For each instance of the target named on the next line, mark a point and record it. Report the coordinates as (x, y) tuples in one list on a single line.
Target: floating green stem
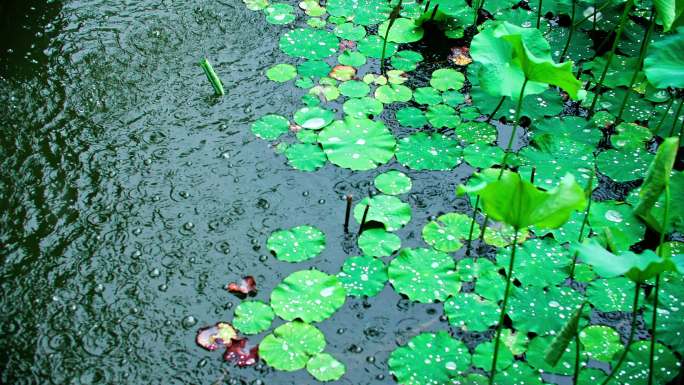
[(580, 238), (213, 78)]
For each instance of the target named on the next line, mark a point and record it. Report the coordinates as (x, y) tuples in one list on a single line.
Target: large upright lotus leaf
[(656, 181), (364, 12), (313, 118), (393, 182), (600, 342), (309, 43), (305, 157), (429, 358), (378, 242), (423, 151), (325, 367), (363, 276), (296, 244), (358, 144), (448, 232), (612, 294), (634, 371), (447, 79), (270, 127), (424, 275), (388, 210), (291, 345), (471, 312), (309, 295), (664, 64), (520, 204), (534, 309), (670, 311), (541, 262), (537, 352), (402, 31), (253, 317), (616, 217), (510, 54)]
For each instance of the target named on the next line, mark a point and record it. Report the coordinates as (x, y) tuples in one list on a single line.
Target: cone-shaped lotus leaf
[(424, 275), (358, 144), (253, 317), (520, 204), (510, 54), (296, 244), (325, 367), (429, 358), (664, 64), (291, 345), (309, 295)]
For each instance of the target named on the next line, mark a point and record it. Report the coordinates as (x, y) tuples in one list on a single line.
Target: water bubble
[(202, 363), (263, 258), (321, 201), (163, 287), (305, 193), (341, 331), (155, 273), (189, 226), (189, 322)]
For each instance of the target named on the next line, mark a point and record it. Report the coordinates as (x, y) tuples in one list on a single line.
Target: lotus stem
[(570, 33), (393, 16), (532, 174), (489, 118), (662, 120), (363, 219), (591, 15), (642, 53), (213, 78), (575, 375), (479, 4), (674, 122), (349, 198), (539, 13), (611, 54), (434, 12), (472, 225), (630, 338), (503, 308), (585, 220)]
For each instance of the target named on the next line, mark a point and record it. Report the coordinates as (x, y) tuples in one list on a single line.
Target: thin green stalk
[(575, 375), (396, 11), (489, 118), (640, 63), (580, 238), (674, 122), (593, 22), (611, 54), (629, 339), (480, 4), (503, 308), (539, 13), (472, 225), (662, 120), (572, 31), (213, 78)]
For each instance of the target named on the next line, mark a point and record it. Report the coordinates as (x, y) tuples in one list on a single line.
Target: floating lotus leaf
[(291, 345), (634, 370), (326, 93), (541, 262), (533, 309), (371, 46), (391, 93), (316, 22), (312, 8), (490, 285), (411, 117), (501, 235), (447, 79), (569, 232), (393, 182), (402, 31), (350, 31), (362, 107), (364, 12), (630, 136), (624, 166), (354, 89), (664, 64), (378, 242), (314, 68), (424, 275), (313, 118), (217, 336), (309, 295), (600, 342), (482, 357), (352, 58), (252, 317), (556, 134), (612, 294), (256, 5), (611, 214), (305, 157), (281, 73), (470, 312), (296, 244), (537, 352), (482, 155), (270, 127), (363, 276), (423, 151), (388, 210), (358, 144), (307, 136), (471, 379), (429, 358), (406, 60), (342, 73), (553, 166), (309, 43), (325, 367), (427, 95), (470, 269), (518, 373), (441, 115), (396, 76), (453, 98), (670, 311), (448, 232), (516, 341), (473, 132), (591, 376), (279, 13), (304, 83)]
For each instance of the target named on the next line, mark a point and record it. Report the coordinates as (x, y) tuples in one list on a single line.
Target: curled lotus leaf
[(424, 275), (296, 244), (309, 295)]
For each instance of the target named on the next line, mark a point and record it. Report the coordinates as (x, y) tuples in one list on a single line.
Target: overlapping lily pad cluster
[(591, 103)]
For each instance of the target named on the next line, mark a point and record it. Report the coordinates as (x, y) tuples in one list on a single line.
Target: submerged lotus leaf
[(406, 60), (354, 89), (350, 31), (600, 342), (279, 13), (448, 232), (424, 275), (403, 30), (423, 151), (670, 311), (541, 262), (296, 244), (473, 132), (664, 64), (217, 336), (441, 115), (252, 317), (270, 127), (612, 294), (533, 309), (536, 354), (281, 73), (378, 242), (411, 117), (386, 209), (427, 95), (624, 165), (364, 12), (482, 357), (313, 118), (309, 43), (352, 58), (471, 312), (429, 358), (393, 182), (363, 276), (634, 371), (362, 107), (325, 367), (314, 68), (291, 345), (309, 295), (481, 155), (371, 46), (305, 156), (391, 93), (358, 144)]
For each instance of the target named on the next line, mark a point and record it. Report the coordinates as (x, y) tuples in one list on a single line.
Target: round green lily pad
[(393, 182), (314, 68), (390, 93), (448, 232), (453, 98), (600, 342), (309, 43), (470, 269), (471, 312), (540, 262), (482, 155), (634, 370), (519, 373), (537, 352), (325, 367), (423, 151), (371, 46), (406, 60), (279, 13), (624, 165), (534, 309), (358, 144), (291, 345), (350, 31), (313, 118), (447, 79), (252, 317), (305, 156), (354, 88), (296, 244), (255, 5), (427, 95), (364, 12), (386, 209), (441, 115), (316, 22), (403, 30), (270, 127), (424, 275), (411, 117), (670, 311), (281, 73), (363, 276), (429, 358), (362, 107), (304, 83), (352, 58), (307, 136), (612, 294), (378, 242), (309, 295), (473, 132), (482, 357)]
